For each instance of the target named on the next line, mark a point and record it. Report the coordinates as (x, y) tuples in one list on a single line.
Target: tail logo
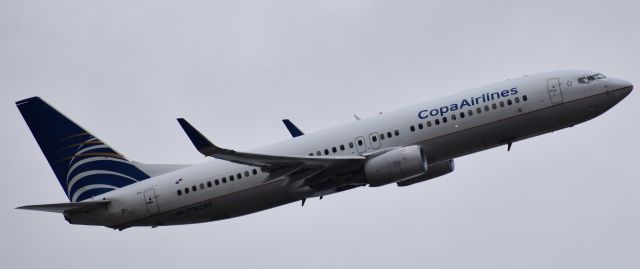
[(93, 168), (84, 165)]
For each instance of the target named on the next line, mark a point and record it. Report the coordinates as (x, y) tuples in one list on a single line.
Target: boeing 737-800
[(405, 147)]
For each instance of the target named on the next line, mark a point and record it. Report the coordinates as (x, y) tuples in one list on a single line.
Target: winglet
[(293, 129), (201, 143)]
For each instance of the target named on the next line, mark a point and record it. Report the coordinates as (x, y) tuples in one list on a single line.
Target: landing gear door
[(555, 93), (151, 201)]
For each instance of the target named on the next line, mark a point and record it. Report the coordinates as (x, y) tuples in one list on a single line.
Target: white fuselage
[(553, 101)]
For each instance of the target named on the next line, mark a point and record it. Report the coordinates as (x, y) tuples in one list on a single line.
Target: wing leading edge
[(295, 167)]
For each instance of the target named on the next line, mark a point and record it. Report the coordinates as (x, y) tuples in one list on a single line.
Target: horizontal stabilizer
[(67, 207)]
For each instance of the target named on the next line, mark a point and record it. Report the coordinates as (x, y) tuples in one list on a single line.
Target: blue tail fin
[(84, 165)]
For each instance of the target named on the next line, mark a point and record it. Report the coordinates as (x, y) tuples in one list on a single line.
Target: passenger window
[(350, 145), (478, 110), (486, 108), (437, 121), (341, 147), (359, 144), (202, 186), (453, 116), (501, 103), (396, 132), (389, 135), (462, 115), (231, 178), (494, 106), (428, 123), (517, 100), (179, 192), (382, 136), (412, 128), (326, 151), (524, 98), (186, 190), (209, 184), (194, 188), (255, 172), (470, 113), (444, 119), (239, 175), (509, 102), (318, 153), (310, 154), (224, 180), (334, 149), (217, 182)]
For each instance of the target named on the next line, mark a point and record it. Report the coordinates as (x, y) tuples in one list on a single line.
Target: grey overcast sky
[(126, 69)]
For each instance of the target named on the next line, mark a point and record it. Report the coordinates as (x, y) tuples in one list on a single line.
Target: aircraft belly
[(516, 128), (489, 135), (572, 113), (224, 206)]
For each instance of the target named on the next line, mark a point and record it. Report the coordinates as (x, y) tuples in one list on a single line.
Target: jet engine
[(395, 165), (435, 170)]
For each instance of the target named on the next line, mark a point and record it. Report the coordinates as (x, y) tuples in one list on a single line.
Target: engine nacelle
[(396, 165), (435, 170)]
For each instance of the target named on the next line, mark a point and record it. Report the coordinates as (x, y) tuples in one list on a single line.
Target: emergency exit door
[(360, 145)]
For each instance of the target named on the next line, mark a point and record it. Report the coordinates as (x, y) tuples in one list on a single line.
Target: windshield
[(589, 79)]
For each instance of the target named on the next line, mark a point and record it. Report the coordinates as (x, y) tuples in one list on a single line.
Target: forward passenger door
[(555, 93)]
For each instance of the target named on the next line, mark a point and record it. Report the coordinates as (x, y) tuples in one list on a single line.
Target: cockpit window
[(589, 79)]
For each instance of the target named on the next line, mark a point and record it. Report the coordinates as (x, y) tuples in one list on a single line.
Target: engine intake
[(396, 165)]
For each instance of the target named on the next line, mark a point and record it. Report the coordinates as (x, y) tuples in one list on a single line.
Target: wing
[(309, 169), (67, 207)]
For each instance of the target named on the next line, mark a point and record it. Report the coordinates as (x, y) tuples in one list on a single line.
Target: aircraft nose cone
[(622, 89), (621, 93)]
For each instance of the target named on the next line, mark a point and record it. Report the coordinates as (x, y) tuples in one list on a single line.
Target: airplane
[(406, 146)]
